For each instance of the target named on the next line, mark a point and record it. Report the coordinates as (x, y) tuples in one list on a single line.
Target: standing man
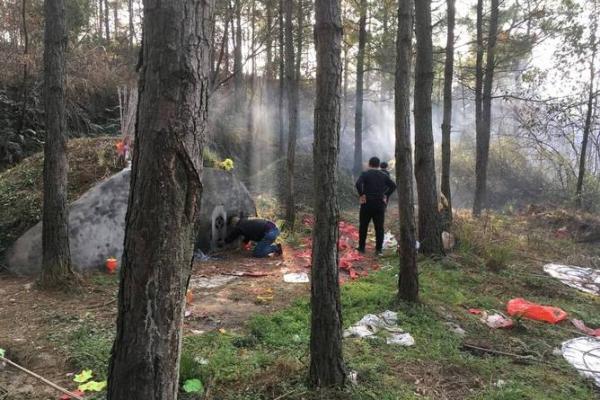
[(374, 188)]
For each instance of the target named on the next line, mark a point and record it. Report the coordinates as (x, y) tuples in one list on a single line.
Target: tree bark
[(116, 18), (292, 94), (430, 233), (25, 84), (106, 20), (57, 271), (360, 74), (281, 79), (447, 119), (269, 41), (408, 279), (588, 119), (131, 24), (237, 56), (326, 362), (484, 127), (164, 201)]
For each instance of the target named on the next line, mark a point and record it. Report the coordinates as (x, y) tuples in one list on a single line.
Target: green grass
[(269, 357)]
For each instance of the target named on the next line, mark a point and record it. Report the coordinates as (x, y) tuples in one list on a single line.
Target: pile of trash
[(386, 324), (347, 243), (584, 279)]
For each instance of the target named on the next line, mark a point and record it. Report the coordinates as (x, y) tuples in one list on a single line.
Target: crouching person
[(261, 231)]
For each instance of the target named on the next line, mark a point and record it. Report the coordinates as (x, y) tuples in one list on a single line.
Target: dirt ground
[(225, 292)]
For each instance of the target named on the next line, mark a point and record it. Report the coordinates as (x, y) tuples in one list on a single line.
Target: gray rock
[(97, 221)]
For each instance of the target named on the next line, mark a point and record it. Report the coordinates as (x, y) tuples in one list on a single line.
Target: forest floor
[(246, 337)]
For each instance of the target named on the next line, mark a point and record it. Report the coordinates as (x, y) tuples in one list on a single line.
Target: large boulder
[(97, 221)]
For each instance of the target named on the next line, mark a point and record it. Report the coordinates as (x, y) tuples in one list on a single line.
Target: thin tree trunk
[(116, 18), (101, 18), (484, 128), (360, 72), (292, 92), (269, 41), (408, 279), (478, 86), (326, 361), (430, 233), (131, 25), (588, 119), (164, 200), (25, 84), (57, 271), (106, 20), (281, 79), (447, 120), (237, 55)]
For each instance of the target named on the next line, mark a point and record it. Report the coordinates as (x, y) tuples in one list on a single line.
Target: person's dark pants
[(371, 210)]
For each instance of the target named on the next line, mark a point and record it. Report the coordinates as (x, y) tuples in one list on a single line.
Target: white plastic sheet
[(296, 277), (584, 354), (585, 279), (386, 323)]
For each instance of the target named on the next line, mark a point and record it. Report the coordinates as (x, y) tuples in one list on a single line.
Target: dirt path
[(225, 294)]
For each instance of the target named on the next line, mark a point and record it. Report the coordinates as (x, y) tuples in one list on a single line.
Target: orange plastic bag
[(523, 308)]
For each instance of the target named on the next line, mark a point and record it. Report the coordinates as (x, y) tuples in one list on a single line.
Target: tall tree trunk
[(281, 79), (292, 94), (430, 233), (106, 20), (56, 255), (588, 117), (116, 18), (131, 24), (269, 41), (25, 84), (408, 279), (164, 201), (447, 121), (484, 127), (478, 86), (360, 73), (237, 55), (326, 362), (101, 18)]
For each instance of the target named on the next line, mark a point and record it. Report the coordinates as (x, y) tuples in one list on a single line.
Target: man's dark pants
[(371, 210)]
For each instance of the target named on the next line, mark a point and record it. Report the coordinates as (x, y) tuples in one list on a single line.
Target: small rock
[(28, 286)]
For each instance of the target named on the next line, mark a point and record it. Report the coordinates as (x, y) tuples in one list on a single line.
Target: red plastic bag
[(523, 308)]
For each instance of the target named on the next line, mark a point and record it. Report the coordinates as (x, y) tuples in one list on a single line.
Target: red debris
[(579, 324), (475, 311), (524, 308)]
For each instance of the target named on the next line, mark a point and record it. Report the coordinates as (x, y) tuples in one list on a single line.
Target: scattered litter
[(500, 383), (222, 331), (251, 274), (475, 311), (353, 377), (457, 329), (67, 397), (584, 354), (402, 339), (200, 256), (197, 332), (579, 324), (585, 279), (562, 233), (523, 308), (92, 386), (389, 242), (448, 241), (210, 282), (496, 320), (193, 386), (187, 313), (201, 360), (296, 277), (264, 299), (386, 322)]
